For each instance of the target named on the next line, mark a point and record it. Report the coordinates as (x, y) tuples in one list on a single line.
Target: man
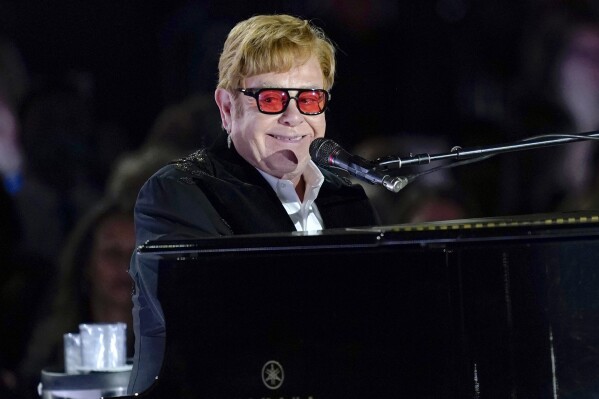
[(275, 73)]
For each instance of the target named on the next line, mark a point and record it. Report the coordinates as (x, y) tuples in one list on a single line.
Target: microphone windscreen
[(321, 150)]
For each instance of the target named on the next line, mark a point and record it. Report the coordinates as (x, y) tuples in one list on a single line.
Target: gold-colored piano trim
[(514, 221)]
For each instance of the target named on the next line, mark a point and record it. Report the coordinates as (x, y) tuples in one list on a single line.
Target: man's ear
[(224, 100)]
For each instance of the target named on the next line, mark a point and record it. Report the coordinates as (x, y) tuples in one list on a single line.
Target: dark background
[(137, 54), (443, 71)]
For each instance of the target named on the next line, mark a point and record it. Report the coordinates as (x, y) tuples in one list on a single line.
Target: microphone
[(325, 152)]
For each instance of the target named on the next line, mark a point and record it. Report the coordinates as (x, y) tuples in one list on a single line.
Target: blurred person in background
[(558, 92), (14, 85), (57, 130), (190, 124), (93, 286), (22, 272), (11, 155), (179, 128)]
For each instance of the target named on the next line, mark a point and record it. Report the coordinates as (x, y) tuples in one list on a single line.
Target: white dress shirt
[(304, 215)]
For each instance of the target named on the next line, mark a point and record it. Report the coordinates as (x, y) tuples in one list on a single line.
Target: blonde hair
[(273, 43)]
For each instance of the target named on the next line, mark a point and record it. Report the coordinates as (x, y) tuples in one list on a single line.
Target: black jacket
[(216, 192)]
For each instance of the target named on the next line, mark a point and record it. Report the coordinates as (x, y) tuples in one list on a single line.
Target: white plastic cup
[(72, 353), (103, 346)]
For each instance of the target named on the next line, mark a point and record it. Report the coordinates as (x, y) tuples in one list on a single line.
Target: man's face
[(278, 144), (113, 244)]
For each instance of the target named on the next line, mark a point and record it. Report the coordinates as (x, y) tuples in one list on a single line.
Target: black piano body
[(489, 308)]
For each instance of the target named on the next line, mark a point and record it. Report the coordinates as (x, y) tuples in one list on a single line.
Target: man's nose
[(292, 116)]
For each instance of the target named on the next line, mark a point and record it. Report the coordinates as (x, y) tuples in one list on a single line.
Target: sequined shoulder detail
[(346, 180), (194, 165)]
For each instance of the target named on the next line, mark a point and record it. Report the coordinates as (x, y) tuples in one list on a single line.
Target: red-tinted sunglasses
[(275, 101)]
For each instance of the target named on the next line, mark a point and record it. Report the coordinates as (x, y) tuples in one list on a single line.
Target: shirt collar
[(312, 177)]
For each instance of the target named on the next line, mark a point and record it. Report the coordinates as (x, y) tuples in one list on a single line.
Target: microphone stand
[(459, 153)]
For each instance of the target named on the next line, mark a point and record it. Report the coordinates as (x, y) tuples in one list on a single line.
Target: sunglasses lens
[(312, 101), (272, 101)]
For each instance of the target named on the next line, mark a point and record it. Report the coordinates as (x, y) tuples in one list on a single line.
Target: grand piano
[(486, 308)]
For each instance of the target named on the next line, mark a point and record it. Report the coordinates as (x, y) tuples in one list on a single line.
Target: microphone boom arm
[(458, 153)]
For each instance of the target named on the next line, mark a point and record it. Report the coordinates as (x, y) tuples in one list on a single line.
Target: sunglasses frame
[(255, 93)]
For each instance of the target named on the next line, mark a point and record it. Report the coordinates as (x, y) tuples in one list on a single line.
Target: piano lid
[(535, 226)]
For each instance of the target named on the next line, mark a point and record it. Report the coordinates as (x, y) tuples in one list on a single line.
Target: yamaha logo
[(272, 374)]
